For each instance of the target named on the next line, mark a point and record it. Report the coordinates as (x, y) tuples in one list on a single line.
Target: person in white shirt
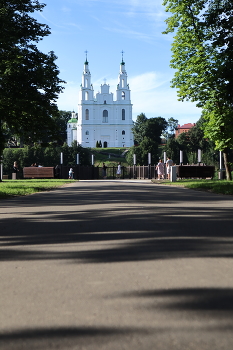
[(169, 164), (160, 169), (119, 170)]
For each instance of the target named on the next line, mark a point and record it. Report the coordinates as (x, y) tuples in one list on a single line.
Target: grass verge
[(9, 188), (215, 186)]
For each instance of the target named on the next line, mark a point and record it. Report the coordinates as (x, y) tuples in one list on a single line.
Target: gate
[(82, 172)]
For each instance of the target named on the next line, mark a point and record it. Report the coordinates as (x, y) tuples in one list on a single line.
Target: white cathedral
[(100, 117)]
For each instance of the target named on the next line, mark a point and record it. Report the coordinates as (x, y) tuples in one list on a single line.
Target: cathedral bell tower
[(123, 92), (87, 92)]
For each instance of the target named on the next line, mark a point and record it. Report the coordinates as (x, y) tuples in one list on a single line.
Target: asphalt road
[(116, 265)]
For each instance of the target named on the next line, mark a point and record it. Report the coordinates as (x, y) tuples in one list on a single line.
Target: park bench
[(38, 172), (195, 171)]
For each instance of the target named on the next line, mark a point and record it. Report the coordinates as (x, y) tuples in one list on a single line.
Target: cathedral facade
[(100, 117)]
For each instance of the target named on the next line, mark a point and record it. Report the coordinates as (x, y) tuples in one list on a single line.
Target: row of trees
[(61, 119), (30, 82), (156, 136), (202, 55), (46, 156), (147, 136), (189, 143)]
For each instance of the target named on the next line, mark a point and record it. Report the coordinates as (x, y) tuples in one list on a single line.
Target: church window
[(87, 132), (123, 95), (123, 132), (86, 96), (105, 116), (123, 114), (87, 114), (105, 102), (123, 83), (86, 83)]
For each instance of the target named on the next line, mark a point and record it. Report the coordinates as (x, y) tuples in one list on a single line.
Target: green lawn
[(215, 186), (9, 188), (110, 156)]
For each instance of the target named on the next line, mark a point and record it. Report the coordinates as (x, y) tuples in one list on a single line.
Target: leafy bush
[(46, 156)]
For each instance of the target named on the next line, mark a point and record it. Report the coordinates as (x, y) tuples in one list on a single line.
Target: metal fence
[(82, 172)]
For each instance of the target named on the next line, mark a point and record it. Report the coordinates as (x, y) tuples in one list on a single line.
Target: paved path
[(115, 265)]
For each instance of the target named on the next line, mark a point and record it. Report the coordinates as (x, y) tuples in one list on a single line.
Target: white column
[(149, 158), (199, 156), (181, 157), (220, 160), (164, 157), (134, 159)]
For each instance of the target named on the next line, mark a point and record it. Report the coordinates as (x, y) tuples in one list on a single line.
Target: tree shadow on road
[(150, 226), (66, 337)]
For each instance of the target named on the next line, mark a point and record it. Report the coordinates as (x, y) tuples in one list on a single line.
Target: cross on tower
[(86, 54), (122, 52)]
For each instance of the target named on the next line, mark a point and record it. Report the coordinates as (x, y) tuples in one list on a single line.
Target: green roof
[(72, 120)]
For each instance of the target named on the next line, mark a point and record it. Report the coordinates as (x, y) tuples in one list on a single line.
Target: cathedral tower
[(100, 117)]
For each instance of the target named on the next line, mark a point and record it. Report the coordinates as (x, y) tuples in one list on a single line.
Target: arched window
[(86, 82), (86, 96), (123, 83), (123, 132), (87, 114), (87, 132), (123, 95), (105, 116), (123, 114)]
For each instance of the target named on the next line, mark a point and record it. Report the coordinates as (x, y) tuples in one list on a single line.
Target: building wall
[(183, 128), (100, 118)]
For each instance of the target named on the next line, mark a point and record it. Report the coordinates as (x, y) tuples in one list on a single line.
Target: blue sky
[(104, 28)]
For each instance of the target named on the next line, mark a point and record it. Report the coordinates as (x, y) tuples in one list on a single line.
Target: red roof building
[(183, 128)]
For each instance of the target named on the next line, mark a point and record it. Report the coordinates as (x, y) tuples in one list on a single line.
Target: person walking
[(104, 171), (15, 171), (118, 170), (71, 173), (160, 169), (169, 164)]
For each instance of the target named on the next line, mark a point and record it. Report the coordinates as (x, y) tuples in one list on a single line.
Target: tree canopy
[(29, 78), (203, 58), (151, 128), (147, 137)]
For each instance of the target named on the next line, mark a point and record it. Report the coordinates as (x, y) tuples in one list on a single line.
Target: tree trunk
[(227, 165)]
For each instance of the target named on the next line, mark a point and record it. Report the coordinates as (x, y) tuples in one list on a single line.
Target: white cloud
[(68, 100), (150, 94)]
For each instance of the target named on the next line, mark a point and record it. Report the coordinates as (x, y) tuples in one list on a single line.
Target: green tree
[(171, 127), (29, 78), (151, 128), (148, 145), (61, 119), (147, 135), (203, 59), (129, 155), (139, 128), (172, 148)]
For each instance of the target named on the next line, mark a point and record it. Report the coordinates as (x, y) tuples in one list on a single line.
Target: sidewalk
[(115, 265)]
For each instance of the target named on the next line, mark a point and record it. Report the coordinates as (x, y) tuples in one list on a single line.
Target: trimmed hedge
[(46, 156)]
